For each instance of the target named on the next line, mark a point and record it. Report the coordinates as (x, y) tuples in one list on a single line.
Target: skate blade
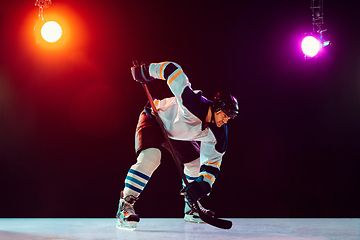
[(192, 219), (126, 225)]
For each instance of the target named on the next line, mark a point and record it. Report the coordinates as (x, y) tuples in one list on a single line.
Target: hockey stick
[(216, 222)]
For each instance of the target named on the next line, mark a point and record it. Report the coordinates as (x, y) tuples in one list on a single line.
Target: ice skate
[(191, 214), (126, 217)]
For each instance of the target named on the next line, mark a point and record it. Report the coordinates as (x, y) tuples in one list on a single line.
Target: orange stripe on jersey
[(213, 163), (161, 70), (156, 101), (175, 76), (207, 176)]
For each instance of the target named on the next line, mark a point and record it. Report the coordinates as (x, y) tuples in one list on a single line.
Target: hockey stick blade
[(216, 222)]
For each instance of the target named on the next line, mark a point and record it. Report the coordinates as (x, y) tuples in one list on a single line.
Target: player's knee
[(150, 156)]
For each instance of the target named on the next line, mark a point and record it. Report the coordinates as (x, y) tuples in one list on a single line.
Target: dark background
[(68, 111)]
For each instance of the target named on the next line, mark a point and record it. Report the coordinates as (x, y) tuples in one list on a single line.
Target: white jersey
[(184, 118)]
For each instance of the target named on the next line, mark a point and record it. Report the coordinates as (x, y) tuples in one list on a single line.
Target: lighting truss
[(313, 42), (317, 8), (42, 4)]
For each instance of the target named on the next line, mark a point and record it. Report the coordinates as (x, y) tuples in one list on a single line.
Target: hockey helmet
[(227, 103)]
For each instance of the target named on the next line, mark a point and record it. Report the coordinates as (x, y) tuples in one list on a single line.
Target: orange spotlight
[(51, 31), (61, 32)]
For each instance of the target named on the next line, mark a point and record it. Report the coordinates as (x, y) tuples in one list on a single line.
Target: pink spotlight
[(310, 46)]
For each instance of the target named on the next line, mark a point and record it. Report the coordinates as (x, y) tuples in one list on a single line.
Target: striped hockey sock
[(139, 174)]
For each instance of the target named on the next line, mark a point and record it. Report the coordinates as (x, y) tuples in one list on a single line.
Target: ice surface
[(176, 228)]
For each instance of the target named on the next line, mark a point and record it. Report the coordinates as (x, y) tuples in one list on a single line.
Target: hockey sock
[(139, 174), (191, 170)]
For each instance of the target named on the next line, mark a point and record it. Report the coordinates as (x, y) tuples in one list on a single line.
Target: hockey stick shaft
[(167, 139), (220, 223)]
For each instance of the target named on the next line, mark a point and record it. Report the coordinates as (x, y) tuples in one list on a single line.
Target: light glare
[(310, 46), (51, 31)]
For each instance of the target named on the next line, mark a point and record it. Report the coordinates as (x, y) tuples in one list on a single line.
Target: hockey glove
[(196, 190), (141, 73)]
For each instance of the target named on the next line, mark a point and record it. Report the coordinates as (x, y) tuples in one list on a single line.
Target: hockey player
[(188, 118)]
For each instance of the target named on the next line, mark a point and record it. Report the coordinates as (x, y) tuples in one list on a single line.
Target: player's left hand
[(196, 190)]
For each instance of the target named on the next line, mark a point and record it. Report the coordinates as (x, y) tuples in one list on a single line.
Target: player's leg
[(148, 140), (188, 152), (137, 177), (191, 171), (191, 151)]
